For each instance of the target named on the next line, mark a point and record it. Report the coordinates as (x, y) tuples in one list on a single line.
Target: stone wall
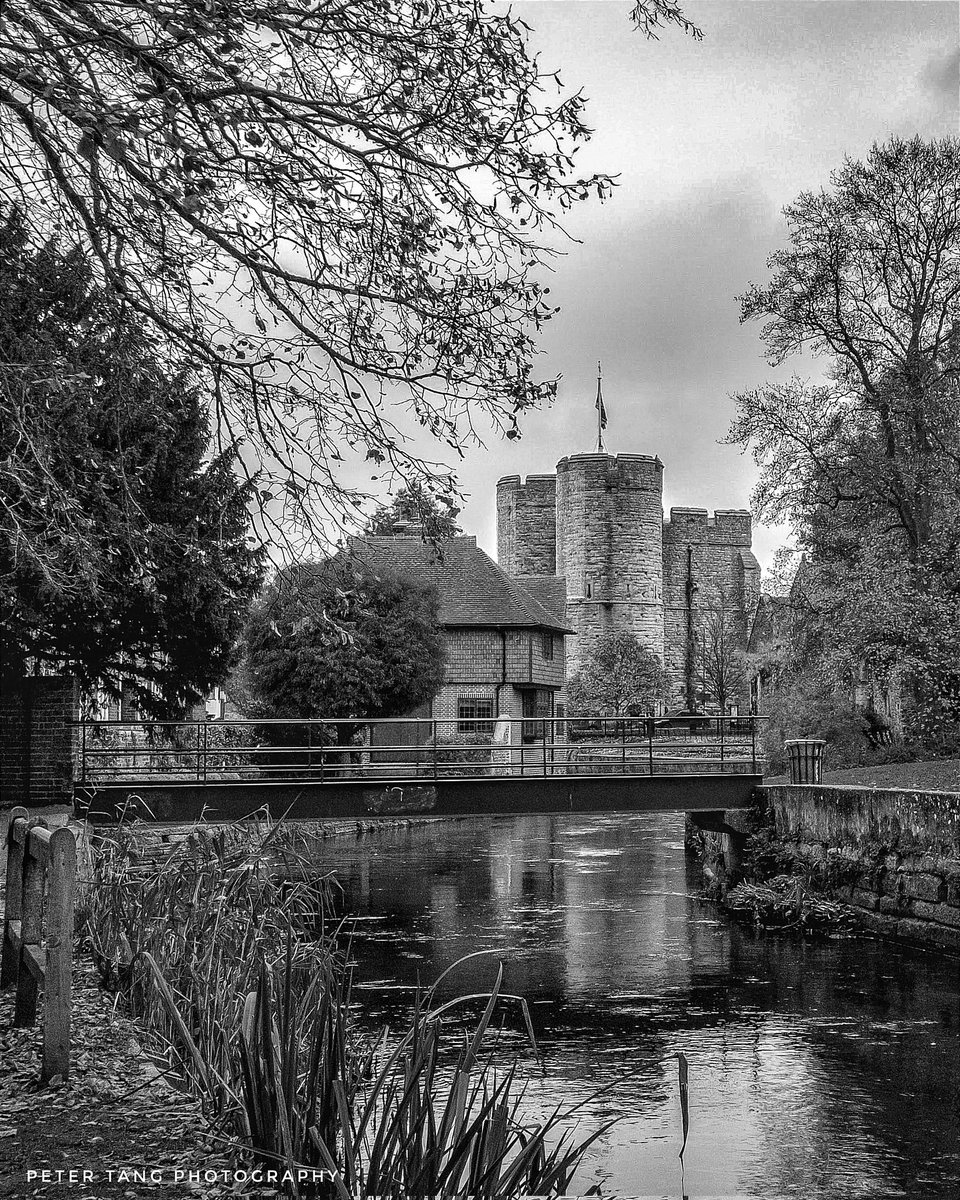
[(721, 563), (610, 548), (527, 525), (38, 744), (893, 856)]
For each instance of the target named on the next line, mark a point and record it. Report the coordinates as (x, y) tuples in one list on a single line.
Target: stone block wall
[(721, 562), (893, 855), (38, 745), (527, 525)]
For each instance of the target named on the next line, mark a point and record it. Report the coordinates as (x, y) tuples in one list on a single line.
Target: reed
[(241, 977)]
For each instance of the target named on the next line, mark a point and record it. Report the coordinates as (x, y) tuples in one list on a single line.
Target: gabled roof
[(473, 589), (549, 590)]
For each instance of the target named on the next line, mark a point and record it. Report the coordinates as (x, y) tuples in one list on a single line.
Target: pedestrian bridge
[(341, 769)]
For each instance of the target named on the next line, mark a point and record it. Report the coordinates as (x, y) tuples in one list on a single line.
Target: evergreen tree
[(415, 509), (124, 545), (334, 639)]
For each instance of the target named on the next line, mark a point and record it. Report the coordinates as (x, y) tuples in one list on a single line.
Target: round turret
[(609, 538)]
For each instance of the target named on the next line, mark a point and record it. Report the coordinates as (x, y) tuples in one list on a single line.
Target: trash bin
[(806, 759)]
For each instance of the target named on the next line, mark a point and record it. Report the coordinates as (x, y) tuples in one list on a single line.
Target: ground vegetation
[(234, 969)]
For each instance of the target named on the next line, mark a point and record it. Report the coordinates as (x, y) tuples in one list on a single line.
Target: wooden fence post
[(13, 905), (59, 966), (31, 934), (38, 936)]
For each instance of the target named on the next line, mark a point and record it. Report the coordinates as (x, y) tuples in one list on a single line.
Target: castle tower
[(527, 525), (609, 547)]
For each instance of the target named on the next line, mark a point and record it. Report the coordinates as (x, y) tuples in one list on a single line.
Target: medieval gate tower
[(598, 524)]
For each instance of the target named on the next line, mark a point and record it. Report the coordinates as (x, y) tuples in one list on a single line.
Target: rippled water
[(827, 1069)]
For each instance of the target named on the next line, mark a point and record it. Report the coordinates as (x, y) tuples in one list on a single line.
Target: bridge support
[(723, 851)]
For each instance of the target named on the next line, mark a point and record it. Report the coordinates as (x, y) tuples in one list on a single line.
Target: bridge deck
[(463, 796)]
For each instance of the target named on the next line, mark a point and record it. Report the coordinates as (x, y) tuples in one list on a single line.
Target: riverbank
[(115, 1115), (934, 775), (892, 856)]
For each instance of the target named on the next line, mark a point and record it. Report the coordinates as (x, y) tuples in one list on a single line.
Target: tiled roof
[(473, 589), (549, 590)]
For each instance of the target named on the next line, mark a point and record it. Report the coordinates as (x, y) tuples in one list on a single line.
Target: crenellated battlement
[(727, 525)]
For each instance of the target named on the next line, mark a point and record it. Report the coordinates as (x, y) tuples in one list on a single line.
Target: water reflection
[(817, 1070)]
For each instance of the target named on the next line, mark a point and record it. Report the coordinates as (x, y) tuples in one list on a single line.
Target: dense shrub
[(463, 753)]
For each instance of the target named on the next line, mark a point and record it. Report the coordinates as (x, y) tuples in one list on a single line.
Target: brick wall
[(38, 746)]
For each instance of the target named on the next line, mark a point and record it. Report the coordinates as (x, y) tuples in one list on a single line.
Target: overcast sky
[(710, 140)]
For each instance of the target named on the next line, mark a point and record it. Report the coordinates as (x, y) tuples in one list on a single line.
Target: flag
[(602, 412)]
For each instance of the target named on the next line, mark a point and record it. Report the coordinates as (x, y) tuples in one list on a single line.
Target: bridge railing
[(338, 750)]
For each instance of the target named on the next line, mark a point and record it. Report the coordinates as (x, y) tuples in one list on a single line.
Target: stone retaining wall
[(893, 856)]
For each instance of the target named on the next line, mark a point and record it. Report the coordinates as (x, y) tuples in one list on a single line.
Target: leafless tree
[(333, 212), (722, 650)]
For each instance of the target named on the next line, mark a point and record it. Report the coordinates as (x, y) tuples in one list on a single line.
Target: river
[(817, 1069)]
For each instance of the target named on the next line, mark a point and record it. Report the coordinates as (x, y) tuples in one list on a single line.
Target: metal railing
[(339, 750)]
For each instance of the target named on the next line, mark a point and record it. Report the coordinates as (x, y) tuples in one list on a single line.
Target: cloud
[(940, 77)]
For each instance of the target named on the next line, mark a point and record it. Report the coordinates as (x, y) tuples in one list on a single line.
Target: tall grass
[(192, 923), (240, 976)]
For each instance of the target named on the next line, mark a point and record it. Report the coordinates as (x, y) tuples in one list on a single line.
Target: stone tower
[(706, 560), (527, 525), (610, 548)]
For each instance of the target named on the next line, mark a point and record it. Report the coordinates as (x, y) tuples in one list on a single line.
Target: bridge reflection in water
[(342, 768)]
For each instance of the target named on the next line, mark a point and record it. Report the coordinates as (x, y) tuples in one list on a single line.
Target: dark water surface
[(828, 1069)]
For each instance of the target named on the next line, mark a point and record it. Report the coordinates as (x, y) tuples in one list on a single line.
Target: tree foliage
[(336, 211), (620, 678), (871, 279), (123, 547), (866, 464), (334, 639), (416, 509)]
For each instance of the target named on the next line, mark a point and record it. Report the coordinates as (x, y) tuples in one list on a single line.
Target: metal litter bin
[(806, 759)]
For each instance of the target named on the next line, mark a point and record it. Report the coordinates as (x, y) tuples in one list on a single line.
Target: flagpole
[(600, 413)]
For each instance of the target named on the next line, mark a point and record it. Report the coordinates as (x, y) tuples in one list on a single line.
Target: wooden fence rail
[(38, 932)]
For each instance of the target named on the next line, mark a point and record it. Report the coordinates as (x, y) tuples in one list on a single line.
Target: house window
[(588, 590), (548, 647), (475, 714)]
